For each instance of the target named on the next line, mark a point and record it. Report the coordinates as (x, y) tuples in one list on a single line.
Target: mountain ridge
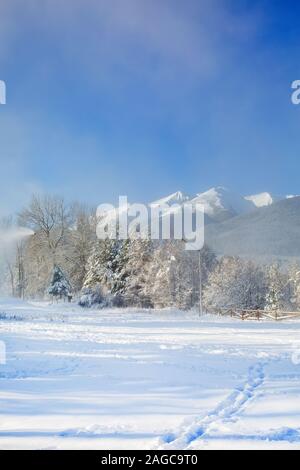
[(220, 203)]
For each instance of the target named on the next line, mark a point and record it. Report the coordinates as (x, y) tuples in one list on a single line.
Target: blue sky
[(147, 97)]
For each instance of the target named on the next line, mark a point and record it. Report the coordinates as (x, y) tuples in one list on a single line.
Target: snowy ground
[(77, 379)]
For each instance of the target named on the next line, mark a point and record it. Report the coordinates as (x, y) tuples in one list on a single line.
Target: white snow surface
[(137, 379)]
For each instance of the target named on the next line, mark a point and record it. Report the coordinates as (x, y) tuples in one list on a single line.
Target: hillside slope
[(267, 231)]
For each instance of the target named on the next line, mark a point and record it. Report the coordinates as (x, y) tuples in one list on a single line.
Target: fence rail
[(258, 315)]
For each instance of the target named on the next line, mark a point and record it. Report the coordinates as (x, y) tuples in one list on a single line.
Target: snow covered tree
[(206, 259), (20, 270), (136, 272), (294, 285), (80, 241), (107, 267), (277, 296), (117, 268), (53, 243), (60, 285), (182, 278), (169, 276), (97, 264), (158, 286), (235, 283)]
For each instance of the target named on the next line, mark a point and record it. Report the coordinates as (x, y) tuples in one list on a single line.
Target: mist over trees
[(61, 254)]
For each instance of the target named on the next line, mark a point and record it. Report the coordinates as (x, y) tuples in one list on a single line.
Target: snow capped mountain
[(221, 203), (175, 198)]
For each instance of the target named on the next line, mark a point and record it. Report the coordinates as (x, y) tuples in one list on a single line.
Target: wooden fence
[(259, 314)]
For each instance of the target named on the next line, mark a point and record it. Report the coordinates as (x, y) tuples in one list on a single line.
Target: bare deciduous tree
[(81, 241), (50, 217)]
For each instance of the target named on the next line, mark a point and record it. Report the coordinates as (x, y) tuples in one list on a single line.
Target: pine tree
[(60, 285), (118, 268), (97, 264), (138, 261), (107, 267)]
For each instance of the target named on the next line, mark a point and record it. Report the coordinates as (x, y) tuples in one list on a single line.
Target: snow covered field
[(115, 379)]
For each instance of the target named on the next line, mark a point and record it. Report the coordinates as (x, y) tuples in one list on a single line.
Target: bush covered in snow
[(95, 298), (91, 297)]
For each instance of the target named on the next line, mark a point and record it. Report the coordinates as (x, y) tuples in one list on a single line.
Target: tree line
[(63, 254)]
